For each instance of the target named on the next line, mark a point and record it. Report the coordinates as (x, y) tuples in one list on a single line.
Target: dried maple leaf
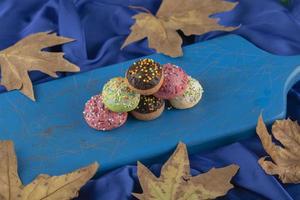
[(27, 55), (286, 158), (176, 183), (192, 17), (43, 187)]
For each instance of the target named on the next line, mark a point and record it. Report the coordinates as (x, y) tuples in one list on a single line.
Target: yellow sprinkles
[(149, 68), (149, 104)]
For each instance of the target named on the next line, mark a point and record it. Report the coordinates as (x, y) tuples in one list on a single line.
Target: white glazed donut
[(190, 97)]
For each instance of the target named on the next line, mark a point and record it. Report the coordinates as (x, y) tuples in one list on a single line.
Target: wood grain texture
[(240, 81)]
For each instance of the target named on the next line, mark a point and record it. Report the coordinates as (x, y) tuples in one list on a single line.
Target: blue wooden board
[(239, 80)]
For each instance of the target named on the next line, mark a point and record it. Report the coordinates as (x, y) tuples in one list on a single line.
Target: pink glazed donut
[(99, 117), (175, 82)]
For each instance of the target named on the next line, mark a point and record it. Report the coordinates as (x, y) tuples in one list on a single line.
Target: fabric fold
[(101, 26), (251, 182)]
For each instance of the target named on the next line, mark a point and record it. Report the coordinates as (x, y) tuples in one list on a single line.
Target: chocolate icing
[(149, 104), (144, 74)]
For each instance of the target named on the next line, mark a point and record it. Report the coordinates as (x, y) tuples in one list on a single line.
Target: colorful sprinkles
[(118, 97), (144, 74), (99, 117), (191, 95), (175, 82), (149, 104), (132, 93)]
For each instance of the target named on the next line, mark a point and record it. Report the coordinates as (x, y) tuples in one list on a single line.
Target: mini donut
[(149, 108), (190, 97), (175, 82), (118, 97), (145, 76), (99, 117)]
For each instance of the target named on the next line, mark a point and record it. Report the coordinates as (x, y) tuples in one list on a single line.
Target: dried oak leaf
[(27, 55), (192, 17), (286, 158), (176, 183), (43, 187)]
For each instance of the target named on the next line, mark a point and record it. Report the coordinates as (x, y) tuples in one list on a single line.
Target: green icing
[(118, 97)]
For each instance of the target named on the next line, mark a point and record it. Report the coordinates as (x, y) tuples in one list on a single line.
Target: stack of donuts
[(142, 93)]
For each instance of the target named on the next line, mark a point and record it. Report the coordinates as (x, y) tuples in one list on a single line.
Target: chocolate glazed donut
[(145, 76), (149, 108)]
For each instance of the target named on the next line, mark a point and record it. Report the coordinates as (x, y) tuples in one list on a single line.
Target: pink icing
[(99, 117), (175, 82)]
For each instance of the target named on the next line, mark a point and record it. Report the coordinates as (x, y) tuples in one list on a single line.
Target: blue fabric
[(100, 27), (250, 183)]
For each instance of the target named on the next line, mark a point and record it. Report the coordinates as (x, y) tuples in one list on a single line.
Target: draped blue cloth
[(250, 183), (101, 26)]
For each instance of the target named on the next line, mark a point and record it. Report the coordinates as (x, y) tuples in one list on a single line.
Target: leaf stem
[(140, 8)]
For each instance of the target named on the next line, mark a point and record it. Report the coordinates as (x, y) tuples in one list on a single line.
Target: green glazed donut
[(118, 97)]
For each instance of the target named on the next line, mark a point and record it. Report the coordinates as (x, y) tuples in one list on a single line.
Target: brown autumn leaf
[(27, 55), (176, 183), (43, 187), (286, 158), (192, 17)]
